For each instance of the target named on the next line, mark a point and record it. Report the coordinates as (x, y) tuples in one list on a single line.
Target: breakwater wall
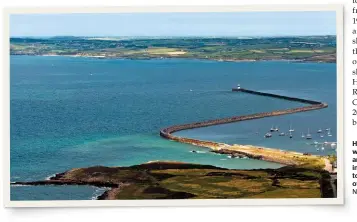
[(312, 102), (167, 132)]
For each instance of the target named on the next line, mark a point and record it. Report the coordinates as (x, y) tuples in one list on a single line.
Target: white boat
[(329, 132), (290, 135), (319, 131), (322, 148), (268, 135), (302, 135), (322, 136), (291, 129), (274, 129), (282, 134), (308, 135)]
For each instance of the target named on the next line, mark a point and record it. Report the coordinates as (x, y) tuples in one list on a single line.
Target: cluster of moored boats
[(307, 136)]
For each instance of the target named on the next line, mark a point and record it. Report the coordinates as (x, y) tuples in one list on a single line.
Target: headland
[(175, 180)]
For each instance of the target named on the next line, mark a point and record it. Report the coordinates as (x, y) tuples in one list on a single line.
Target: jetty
[(279, 156)]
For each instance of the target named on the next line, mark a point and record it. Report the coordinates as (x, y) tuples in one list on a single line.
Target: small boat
[(317, 149), (319, 131), (272, 129), (322, 136), (268, 135), (329, 133), (291, 129), (308, 135), (316, 143), (191, 90), (290, 135), (322, 148), (327, 129), (302, 135), (282, 134)]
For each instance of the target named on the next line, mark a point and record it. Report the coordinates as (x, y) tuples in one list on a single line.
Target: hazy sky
[(175, 24)]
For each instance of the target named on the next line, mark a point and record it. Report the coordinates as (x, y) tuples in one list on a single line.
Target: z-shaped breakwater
[(312, 105)]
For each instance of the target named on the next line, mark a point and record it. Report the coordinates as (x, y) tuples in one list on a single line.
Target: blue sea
[(77, 112)]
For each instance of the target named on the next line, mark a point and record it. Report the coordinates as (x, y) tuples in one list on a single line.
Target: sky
[(240, 24)]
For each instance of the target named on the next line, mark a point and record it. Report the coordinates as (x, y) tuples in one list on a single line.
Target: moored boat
[(268, 135), (308, 135), (291, 129), (329, 132)]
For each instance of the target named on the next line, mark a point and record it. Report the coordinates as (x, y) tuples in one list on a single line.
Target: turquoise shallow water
[(77, 112)]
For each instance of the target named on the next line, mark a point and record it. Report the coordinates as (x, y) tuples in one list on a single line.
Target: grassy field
[(314, 48), (173, 180)]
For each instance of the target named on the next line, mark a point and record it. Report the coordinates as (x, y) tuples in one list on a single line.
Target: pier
[(250, 151)]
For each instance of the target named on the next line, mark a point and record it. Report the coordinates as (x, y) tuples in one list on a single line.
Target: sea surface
[(77, 112)]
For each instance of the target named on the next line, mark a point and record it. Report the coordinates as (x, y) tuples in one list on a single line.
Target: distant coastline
[(167, 58), (295, 49)]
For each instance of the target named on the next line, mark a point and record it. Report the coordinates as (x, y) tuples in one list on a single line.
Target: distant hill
[(299, 48)]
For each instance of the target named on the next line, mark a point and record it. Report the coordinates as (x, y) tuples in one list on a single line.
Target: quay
[(273, 155)]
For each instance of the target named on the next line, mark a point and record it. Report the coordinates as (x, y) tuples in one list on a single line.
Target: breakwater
[(306, 101), (311, 105)]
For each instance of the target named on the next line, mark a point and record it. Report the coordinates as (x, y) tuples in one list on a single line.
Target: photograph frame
[(339, 200)]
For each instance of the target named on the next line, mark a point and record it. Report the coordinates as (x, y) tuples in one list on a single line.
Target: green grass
[(289, 193), (167, 180), (202, 48)]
